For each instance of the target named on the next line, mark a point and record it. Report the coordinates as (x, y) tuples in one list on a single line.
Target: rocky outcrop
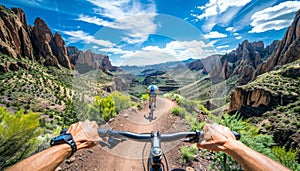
[(206, 64), (14, 33), (243, 62), (256, 100), (288, 49), (18, 39), (59, 50), (42, 37), (88, 60)]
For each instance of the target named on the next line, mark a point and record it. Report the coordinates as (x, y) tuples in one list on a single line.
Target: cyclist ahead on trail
[(152, 90)]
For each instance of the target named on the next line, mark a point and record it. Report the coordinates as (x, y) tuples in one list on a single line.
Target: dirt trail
[(127, 156)]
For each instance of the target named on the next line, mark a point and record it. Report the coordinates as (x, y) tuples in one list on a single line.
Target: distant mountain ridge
[(137, 70), (37, 43)]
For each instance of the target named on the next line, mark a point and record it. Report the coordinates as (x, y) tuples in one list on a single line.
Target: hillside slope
[(272, 102)]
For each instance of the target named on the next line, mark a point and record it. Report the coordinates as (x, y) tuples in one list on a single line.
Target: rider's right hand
[(216, 137), (85, 134)]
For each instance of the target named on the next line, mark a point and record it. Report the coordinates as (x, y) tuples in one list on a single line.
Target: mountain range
[(249, 63)]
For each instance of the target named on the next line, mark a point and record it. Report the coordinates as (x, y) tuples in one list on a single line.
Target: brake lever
[(112, 142), (191, 140)]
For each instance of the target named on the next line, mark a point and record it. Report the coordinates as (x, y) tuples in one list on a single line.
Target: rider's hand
[(85, 134), (216, 137)]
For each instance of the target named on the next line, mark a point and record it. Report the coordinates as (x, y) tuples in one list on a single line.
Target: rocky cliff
[(243, 61), (15, 35), (288, 49), (272, 103), (273, 98), (18, 39), (87, 60), (206, 64)]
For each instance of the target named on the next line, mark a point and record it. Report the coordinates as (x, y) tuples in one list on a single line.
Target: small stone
[(70, 160), (111, 120), (122, 125), (90, 150), (125, 115), (189, 169)]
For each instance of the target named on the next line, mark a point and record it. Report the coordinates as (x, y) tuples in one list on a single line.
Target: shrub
[(178, 111), (145, 97), (106, 107), (121, 101), (249, 136), (194, 123), (287, 158), (93, 113), (18, 135), (188, 153)]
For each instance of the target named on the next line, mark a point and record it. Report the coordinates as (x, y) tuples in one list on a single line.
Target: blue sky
[(142, 32)]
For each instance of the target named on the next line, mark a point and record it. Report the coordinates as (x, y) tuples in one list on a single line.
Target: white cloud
[(217, 12), (80, 36), (229, 29), (93, 20), (274, 18), (222, 47), (130, 16), (214, 34), (173, 51), (239, 37)]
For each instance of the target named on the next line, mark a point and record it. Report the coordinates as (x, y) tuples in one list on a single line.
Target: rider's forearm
[(250, 159), (46, 160)]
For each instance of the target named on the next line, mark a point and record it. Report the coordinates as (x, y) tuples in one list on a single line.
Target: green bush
[(145, 97), (121, 101), (194, 123), (250, 137), (178, 111), (287, 158), (93, 113), (188, 153), (18, 135), (106, 107)]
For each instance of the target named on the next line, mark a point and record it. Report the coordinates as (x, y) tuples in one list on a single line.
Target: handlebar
[(146, 137)]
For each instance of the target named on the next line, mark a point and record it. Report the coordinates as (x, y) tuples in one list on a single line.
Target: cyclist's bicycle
[(152, 107), (156, 155)]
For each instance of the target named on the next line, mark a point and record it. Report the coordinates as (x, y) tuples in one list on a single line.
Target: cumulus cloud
[(219, 12), (214, 34), (130, 16), (274, 18)]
